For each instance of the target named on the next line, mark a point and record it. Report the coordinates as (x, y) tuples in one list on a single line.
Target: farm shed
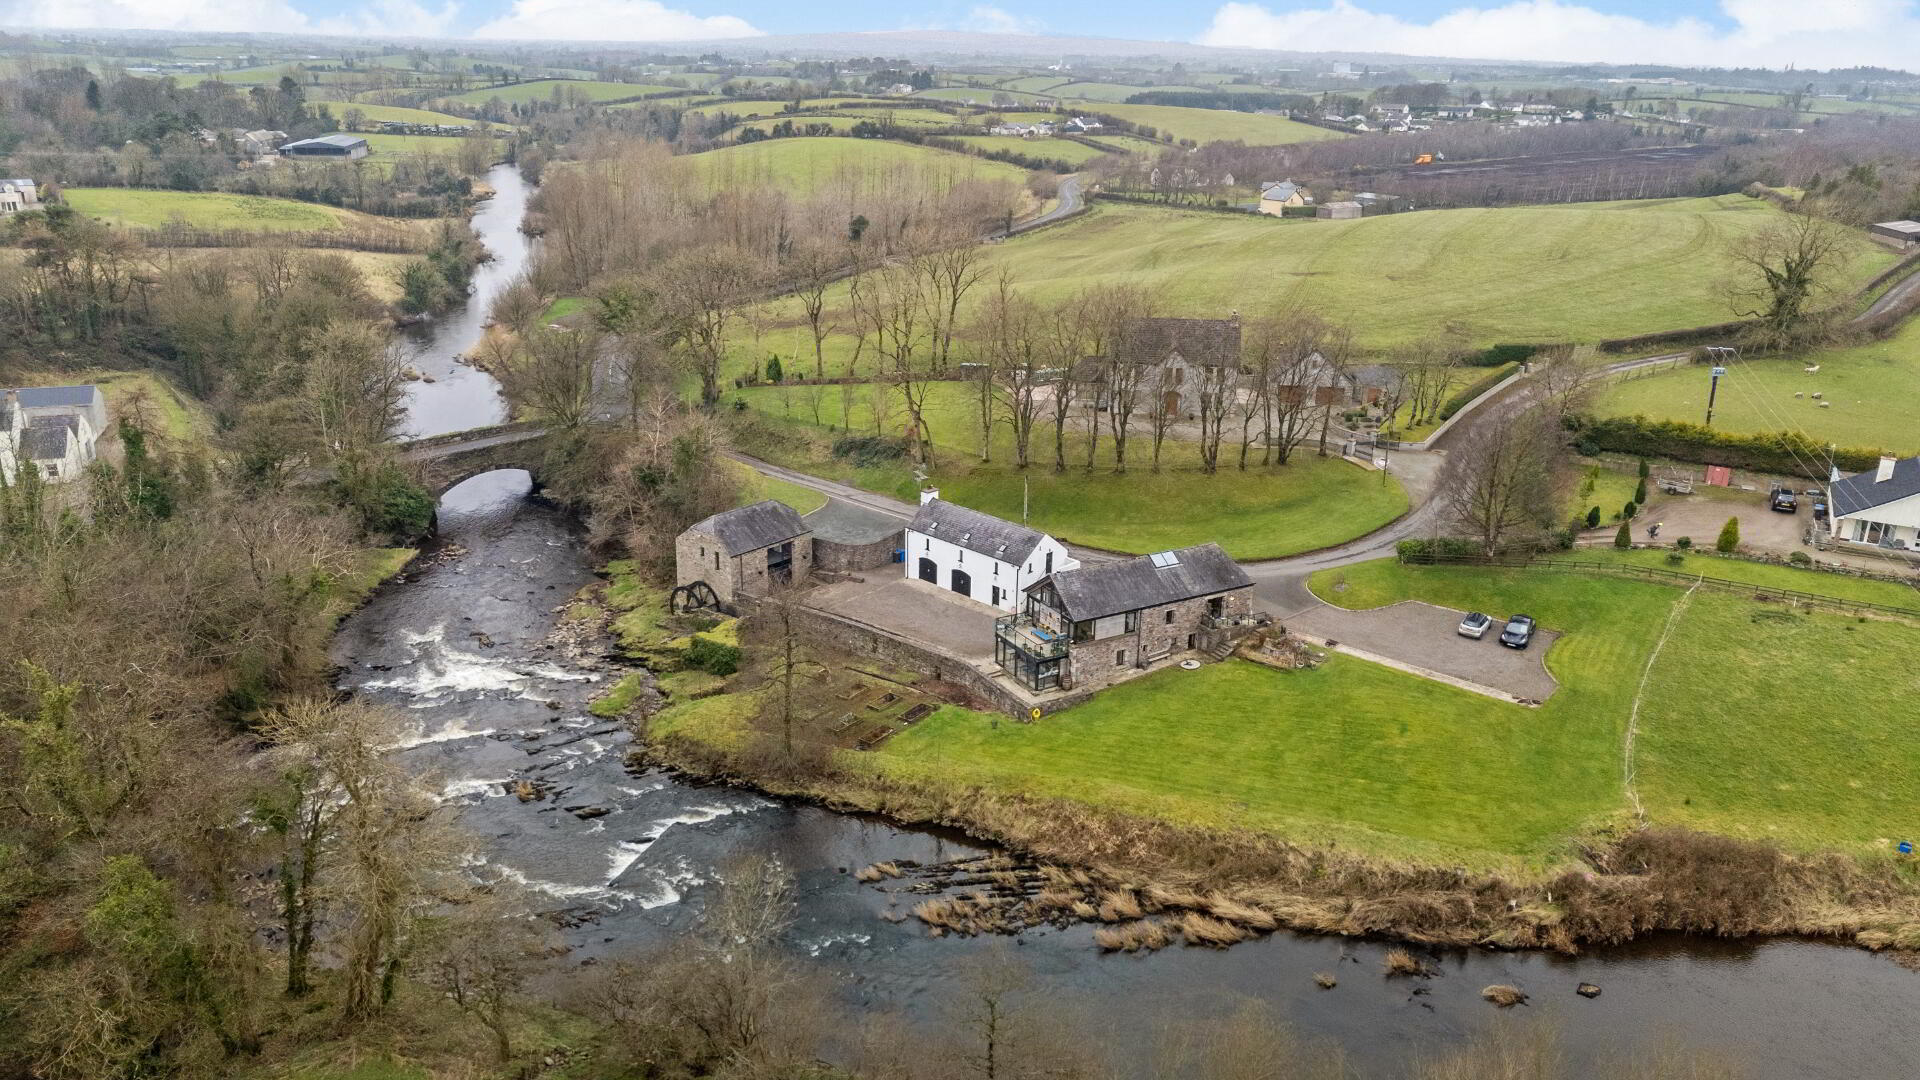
[(1903, 233)]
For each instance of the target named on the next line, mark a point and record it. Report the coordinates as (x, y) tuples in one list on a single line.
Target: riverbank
[(1146, 849)]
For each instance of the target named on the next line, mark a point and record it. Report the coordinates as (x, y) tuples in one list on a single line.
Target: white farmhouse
[(1879, 508), (978, 555), (55, 428), (18, 194)]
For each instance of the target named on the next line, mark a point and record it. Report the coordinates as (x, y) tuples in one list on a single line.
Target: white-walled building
[(57, 428), (18, 194), (1880, 507), (978, 555)]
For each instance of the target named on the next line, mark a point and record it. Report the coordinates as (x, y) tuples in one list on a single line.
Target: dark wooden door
[(929, 572), (962, 582)]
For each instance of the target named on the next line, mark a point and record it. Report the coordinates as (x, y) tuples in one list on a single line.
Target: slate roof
[(1280, 190), (1206, 342), (1093, 592), (48, 397), (844, 523), (750, 528), (975, 531), (46, 440), (1852, 494), (344, 142)]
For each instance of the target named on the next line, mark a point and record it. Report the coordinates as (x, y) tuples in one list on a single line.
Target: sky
[(1771, 33)]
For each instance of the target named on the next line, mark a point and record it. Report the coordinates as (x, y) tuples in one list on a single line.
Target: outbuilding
[(1338, 211), (346, 147), (1903, 234), (745, 552)]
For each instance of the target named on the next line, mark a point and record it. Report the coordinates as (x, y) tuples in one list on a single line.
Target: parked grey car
[(1475, 625)]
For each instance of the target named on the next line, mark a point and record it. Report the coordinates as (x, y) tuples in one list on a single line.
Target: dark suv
[(1519, 632), (1785, 501)]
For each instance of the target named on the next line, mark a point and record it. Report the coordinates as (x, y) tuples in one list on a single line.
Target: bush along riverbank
[(787, 722)]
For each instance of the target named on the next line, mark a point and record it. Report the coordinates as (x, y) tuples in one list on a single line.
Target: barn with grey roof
[(745, 552)]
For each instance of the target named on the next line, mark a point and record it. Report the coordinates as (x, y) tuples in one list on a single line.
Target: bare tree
[(1567, 378), (1787, 267), (550, 374), (1214, 389), (811, 270), (1499, 480), (704, 290), (481, 956)]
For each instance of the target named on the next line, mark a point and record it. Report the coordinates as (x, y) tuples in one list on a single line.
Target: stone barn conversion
[(745, 552), (1088, 627)]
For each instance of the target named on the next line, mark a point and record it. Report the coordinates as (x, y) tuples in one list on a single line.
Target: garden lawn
[(1257, 514), (1377, 761), (1611, 490), (142, 208), (1218, 125), (1767, 575), (1791, 728), (1871, 389), (756, 486)]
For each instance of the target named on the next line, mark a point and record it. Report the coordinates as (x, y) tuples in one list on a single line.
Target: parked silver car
[(1474, 625)]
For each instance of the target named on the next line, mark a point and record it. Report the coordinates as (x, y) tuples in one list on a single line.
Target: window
[(1169, 616), (961, 557), (1164, 559), (1083, 630), (1132, 623), (1049, 562), (716, 558), (1120, 658), (996, 569)]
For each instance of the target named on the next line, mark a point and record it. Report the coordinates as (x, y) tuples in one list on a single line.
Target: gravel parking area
[(1424, 636)]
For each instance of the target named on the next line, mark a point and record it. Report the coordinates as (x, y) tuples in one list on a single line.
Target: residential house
[(18, 194), (348, 147), (56, 428), (1878, 508), (745, 552), (978, 555), (258, 143), (1392, 113), (1902, 234), (1024, 131), (1094, 625), (1277, 195), (1338, 211), (1081, 125), (1167, 360)]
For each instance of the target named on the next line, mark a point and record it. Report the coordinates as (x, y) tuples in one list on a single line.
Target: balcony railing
[(1225, 622), (1029, 637)]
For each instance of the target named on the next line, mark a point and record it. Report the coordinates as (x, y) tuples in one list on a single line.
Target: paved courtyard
[(1424, 637), (912, 609)]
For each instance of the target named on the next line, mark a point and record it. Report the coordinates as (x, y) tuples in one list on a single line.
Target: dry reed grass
[(1141, 935), (1399, 961), (879, 871), (1215, 933), (1504, 996), (1325, 980)]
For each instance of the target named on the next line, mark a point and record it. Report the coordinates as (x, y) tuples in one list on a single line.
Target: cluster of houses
[(1279, 196), (1397, 118), (54, 430), (1057, 625), (1078, 125), (18, 194)]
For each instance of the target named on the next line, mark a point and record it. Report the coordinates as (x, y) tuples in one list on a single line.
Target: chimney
[(928, 494), (1885, 472)]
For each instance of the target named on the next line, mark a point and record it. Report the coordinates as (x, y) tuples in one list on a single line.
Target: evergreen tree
[(1593, 518), (1729, 537), (1623, 538)]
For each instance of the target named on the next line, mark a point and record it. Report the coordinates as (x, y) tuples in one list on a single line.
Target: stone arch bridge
[(441, 461)]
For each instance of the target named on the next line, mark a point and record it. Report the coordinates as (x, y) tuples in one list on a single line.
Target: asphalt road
[(1070, 204)]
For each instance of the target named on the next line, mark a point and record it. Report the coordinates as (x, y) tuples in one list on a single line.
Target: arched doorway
[(929, 573), (962, 583)]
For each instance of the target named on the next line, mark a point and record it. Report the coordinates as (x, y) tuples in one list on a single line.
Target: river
[(461, 648)]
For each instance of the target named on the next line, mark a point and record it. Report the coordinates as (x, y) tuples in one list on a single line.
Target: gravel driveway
[(1425, 637)]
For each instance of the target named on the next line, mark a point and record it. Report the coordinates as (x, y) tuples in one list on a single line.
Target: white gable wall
[(986, 574)]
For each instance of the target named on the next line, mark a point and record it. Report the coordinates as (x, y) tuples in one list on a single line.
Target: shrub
[(1644, 472), (868, 451), (1800, 558), (1776, 452), (1504, 354), (1684, 543), (774, 371), (1593, 518), (1640, 492), (1438, 546), (1627, 511), (1482, 385), (1729, 537), (1623, 538), (1676, 558)]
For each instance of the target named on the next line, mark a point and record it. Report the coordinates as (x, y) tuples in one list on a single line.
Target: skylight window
[(1164, 559)]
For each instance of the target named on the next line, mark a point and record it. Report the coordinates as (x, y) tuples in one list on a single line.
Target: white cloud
[(987, 19), (610, 20), (153, 14), (1839, 33), (408, 18)]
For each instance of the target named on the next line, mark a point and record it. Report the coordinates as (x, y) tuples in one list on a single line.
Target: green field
[(1034, 84), (804, 166), (1871, 389), (1257, 514), (1219, 125), (1066, 150), (545, 89), (1113, 92), (1579, 272), (415, 144), (140, 208), (980, 95), (397, 114)]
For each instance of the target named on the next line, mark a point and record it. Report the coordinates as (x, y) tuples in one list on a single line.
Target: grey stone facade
[(836, 557), (1161, 635), (700, 556)]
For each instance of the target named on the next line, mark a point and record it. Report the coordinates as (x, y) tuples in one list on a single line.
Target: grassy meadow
[(1580, 272), (148, 209), (805, 166), (1213, 125), (1261, 513), (1051, 149), (397, 114), (545, 89), (1870, 389)]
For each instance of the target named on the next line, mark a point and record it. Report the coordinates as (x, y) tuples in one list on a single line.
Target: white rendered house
[(1880, 507), (978, 555)]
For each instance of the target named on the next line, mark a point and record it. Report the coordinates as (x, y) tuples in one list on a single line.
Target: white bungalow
[(55, 428), (1879, 508), (978, 555)]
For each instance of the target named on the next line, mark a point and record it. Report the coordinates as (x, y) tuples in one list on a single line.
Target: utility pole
[(1713, 386)]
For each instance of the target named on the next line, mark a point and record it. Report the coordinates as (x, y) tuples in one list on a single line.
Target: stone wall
[(1156, 642), (737, 578), (833, 557)]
